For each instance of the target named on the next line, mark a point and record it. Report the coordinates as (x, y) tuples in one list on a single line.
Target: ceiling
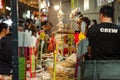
[(32, 3)]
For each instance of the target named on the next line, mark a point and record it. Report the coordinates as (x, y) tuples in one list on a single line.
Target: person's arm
[(89, 49), (46, 27), (91, 34)]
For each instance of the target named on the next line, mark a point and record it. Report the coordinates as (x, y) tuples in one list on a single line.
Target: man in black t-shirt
[(5, 50), (104, 38)]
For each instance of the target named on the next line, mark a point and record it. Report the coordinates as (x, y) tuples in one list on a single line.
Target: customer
[(5, 51), (46, 25), (104, 38), (83, 43), (94, 22)]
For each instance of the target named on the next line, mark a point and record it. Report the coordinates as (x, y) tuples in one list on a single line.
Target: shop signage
[(1, 4), (103, 2)]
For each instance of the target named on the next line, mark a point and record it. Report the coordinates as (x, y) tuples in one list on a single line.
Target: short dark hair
[(95, 22), (86, 20), (3, 26), (107, 11)]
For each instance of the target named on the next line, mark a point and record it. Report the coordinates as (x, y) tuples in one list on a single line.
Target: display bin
[(22, 68), (22, 63), (32, 62), (100, 70)]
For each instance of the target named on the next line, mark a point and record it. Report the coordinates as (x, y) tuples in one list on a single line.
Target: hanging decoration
[(77, 3), (60, 24), (60, 15), (72, 4), (75, 14)]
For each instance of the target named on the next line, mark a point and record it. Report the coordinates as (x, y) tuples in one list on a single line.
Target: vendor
[(45, 24)]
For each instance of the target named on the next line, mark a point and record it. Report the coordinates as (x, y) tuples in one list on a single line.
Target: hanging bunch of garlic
[(60, 24), (75, 15)]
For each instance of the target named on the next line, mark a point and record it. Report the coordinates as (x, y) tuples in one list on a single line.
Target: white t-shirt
[(27, 38)]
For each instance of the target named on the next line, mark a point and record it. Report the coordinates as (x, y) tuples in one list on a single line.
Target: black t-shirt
[(105, 40), (5, 55)]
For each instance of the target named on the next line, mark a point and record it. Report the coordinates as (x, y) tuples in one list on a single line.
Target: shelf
[(65, 32)]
